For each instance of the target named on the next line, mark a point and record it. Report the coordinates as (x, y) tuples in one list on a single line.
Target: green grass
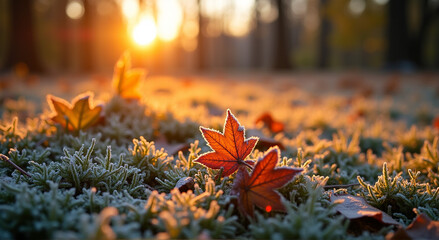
[(112, 181)]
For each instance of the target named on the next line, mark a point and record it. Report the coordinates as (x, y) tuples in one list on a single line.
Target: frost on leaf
[(257, 189), (353, 207), (362, 215), (79, 115), (421, 228), (126, 80), (230, 148)]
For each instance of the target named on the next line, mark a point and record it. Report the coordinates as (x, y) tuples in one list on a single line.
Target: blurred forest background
[(87, 36)]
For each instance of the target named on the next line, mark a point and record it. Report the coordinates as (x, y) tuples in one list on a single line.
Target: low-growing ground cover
[(131, 167)]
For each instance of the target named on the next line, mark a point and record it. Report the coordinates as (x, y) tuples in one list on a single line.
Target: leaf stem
[(247, 165), (6, 159)]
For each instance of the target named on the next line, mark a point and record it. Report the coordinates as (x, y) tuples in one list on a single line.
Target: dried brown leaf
[(353, 207), (421, 228)]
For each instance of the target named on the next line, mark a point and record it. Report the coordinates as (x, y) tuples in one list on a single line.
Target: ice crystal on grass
[(151, 161), (177, 131), (185, 215), (111, 181), (83, 170), (399, 196), (126, 120), (35, 214), (30, 135), (314, 219)]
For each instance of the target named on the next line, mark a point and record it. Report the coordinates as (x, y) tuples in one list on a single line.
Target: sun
[(145, 31)]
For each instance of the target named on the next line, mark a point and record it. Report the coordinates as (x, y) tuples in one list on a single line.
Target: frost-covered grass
[(112, 180)]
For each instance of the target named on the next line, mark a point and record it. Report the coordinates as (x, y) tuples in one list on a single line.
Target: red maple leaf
[(269, 122), (436, 122), (258, 188), (230, 148)]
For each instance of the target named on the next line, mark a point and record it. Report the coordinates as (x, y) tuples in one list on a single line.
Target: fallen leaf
[(356, 208), (269, 122), (76, 116), (421, 228), (393, 84), (230, 148), (104, 230), (170, 148), (264, 142), (126, 80), (351, 81), (436, 122), (185, 184), (258, 188)]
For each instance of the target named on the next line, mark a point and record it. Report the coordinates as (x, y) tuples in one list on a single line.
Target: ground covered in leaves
[(366, 146)]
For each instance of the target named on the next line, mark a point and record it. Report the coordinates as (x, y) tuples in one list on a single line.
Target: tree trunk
[(256, 39), (22, 40), (418, 40), (61, 34), (397, 34), (201, 40), (282, 50), (86, 38), (325, 29)]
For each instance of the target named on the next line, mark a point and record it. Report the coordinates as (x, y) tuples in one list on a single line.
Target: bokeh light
[(75, 9), (357, 7)]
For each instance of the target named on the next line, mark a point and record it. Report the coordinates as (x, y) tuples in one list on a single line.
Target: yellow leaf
[(126, 80), (76, 116)]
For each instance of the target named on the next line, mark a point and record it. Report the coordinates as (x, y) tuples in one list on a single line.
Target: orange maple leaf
[(258, 188), (230, 148), (76, 116), (126, 80)]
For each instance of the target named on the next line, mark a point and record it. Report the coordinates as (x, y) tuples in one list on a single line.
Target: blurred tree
[(22, 39), (282, 49), (397, 33), (201, 39), (62, 34), (406, 43), (257, 36), (87, 37), (357, 36), (325, 28), (428, 13)]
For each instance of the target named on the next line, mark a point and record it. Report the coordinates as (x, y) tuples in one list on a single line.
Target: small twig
[(6, 159), (341, 186), (40, 143)]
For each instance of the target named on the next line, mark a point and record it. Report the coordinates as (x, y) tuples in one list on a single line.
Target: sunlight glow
[(190, 29), (130, 9), (170, 18), (240, 20), (145, 31), (189, 45)]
